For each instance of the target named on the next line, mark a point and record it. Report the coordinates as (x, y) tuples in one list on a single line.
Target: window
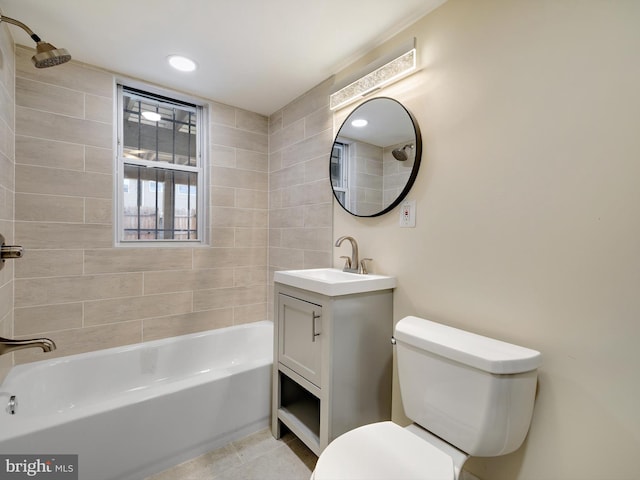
[(338, 169), (160, 168)]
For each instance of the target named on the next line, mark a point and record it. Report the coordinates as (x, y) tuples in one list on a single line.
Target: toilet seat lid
[(383, 451)]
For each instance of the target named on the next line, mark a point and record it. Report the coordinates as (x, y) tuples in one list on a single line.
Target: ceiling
[(257, 55)]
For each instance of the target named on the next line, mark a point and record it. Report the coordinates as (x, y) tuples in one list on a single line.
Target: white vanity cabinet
[(332, 362)]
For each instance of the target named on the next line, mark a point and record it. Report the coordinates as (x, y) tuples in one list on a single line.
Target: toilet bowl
[(467, 395)]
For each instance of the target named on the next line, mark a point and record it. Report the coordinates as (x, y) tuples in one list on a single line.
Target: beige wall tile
[(222, 114), (49, 153), (55, 181), (99, 160), (222, 156), (49, 98), (63, 235), (231, 177), (223, 237), (6, 140), (114, 260), (98, 108), (287, 217), (249, 160), (51, 208), (312, 147), (289, 135), (98, 210), (306, 238), (250, 313), (7, 168), (315, 99), (49, 263), (234, 137), (187, 280), (99, 312), (223, 197), (225, 297), (170, 326), (6, 301), (287, 177), (7, 113), (247, 276), (252, 122), (245, 198), (238, 217), (251, 237), (48, 318), (56, 290), (228, 257), (36, 123), (82, 340)]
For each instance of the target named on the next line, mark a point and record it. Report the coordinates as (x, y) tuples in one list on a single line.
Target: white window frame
[(201, 169)]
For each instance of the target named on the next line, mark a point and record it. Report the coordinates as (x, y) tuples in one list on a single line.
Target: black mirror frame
[(414, 170)]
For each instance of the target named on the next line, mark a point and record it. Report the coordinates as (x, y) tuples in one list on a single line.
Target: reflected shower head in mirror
[(400, 154), (47, 55)]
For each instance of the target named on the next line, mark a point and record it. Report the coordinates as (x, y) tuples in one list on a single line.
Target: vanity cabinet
[(332, 362)]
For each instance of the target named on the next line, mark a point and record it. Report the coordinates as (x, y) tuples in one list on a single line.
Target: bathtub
[(128, 412)]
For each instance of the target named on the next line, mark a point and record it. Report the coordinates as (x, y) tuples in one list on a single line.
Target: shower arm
[(18, 23)]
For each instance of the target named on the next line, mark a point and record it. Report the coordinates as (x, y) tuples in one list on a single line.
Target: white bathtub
[(132, 411)]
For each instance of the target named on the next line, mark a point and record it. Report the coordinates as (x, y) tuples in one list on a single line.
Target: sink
[(333, 282)]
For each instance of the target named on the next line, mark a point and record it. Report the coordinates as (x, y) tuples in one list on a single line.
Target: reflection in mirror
[(375, 157)]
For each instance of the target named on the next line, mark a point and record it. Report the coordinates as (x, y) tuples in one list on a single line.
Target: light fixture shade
[(181, 63), (390, 72)]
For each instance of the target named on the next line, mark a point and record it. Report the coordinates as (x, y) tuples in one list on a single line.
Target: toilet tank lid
[(484, 353)]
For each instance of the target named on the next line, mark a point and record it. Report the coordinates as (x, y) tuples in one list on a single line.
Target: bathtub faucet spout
[(7, 345)]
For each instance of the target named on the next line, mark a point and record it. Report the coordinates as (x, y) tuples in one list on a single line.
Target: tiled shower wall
[(7, 164), (72, 284), (300, 197)]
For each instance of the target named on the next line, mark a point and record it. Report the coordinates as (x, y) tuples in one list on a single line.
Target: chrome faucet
[(8, 346), (351, 264)]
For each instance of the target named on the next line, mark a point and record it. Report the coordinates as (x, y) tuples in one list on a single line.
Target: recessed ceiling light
[(181, 63), (359, 122), (153, 116)]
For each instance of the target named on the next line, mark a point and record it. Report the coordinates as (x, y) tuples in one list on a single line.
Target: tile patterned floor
[(256, 457)]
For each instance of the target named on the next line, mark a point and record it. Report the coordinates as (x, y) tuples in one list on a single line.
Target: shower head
[(47, 55), (400, 154)]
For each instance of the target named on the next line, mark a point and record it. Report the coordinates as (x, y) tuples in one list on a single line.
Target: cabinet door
[(300, 336)]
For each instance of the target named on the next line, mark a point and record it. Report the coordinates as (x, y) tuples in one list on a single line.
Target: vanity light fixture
[(181, 63), (378, 76), (152, 116)]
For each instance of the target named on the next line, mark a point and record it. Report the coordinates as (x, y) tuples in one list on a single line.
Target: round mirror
[(375, 157)]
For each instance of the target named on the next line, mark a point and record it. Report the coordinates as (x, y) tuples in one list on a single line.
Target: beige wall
[(300, 200), (7, 166), (528, 213), (72, 285)]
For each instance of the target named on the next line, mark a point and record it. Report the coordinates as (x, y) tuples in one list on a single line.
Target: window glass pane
[(155, 131), (155, 207)]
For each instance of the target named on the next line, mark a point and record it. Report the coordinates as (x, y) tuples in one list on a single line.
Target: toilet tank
[(475, 392)]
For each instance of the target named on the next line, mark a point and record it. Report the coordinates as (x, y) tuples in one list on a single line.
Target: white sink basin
[(333, 282)]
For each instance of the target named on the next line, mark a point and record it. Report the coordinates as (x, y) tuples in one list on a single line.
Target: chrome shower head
[(47, 55), (400, 154)]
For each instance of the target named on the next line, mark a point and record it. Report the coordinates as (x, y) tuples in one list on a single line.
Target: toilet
[(467, 395)]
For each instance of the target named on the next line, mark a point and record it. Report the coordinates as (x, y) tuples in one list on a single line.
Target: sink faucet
[(351, 264), (8, 346)]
